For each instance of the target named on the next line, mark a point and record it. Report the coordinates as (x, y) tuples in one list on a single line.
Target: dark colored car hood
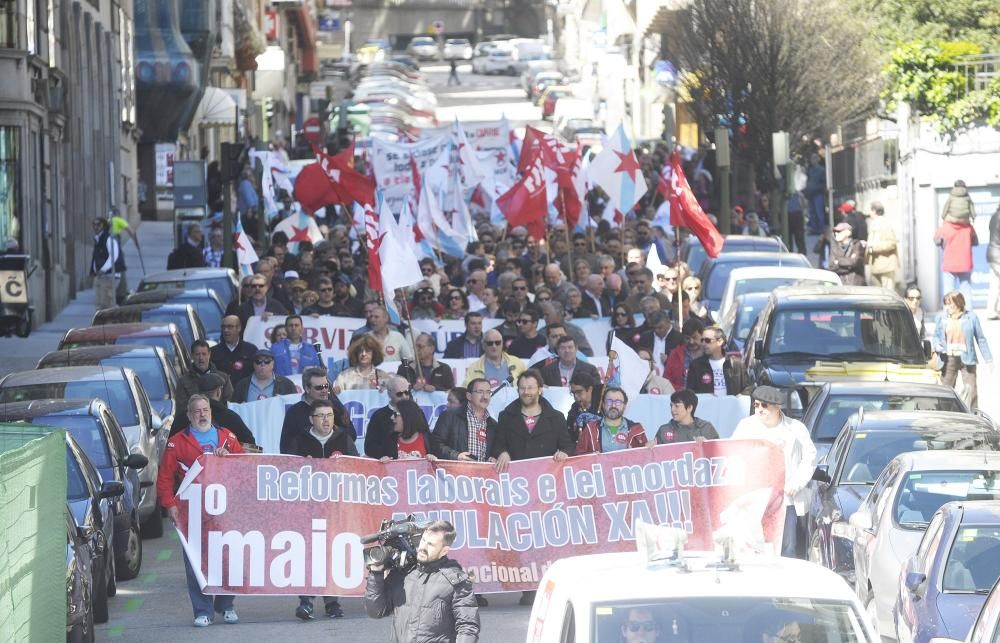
[(849, 497), (958, 613), (781, 372)]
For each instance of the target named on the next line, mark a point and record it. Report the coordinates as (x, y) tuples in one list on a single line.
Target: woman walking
[(956, 334)]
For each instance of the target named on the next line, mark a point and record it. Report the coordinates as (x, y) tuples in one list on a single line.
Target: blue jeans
[(962, 282), (789, 538), (203, 604)]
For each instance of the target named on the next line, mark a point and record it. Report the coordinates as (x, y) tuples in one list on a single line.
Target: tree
[(760, 66), (976, 21)]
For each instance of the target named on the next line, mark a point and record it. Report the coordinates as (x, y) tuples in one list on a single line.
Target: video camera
[(397, 542)]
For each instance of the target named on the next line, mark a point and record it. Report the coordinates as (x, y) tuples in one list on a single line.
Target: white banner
[(391, 164), (333, 334), (482, 135), (265, 418)]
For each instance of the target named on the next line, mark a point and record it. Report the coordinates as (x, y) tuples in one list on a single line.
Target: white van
[(526, 50)]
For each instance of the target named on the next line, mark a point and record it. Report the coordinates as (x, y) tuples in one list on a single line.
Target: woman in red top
[(410, 432)]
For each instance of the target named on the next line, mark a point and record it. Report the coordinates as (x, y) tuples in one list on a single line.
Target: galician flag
[(618, 173), (626, 370), (246, 256), (398, 262)]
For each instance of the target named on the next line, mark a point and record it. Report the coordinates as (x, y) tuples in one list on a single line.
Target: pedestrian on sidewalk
[(847, 255), (957, 241), (881, 252), (797, 222), (453, 75), (993, 258), (815, 193), (957, 332), (120, 227), (104, 263)]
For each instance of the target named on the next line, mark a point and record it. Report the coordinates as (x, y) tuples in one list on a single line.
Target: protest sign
[(289, 525)]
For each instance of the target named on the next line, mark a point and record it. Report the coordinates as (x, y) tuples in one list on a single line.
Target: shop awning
[(217, 109)]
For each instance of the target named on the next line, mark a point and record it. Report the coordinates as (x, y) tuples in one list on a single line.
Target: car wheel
[(872, 613), (112, 582), (129, 562), (100, 604), (153, 527)]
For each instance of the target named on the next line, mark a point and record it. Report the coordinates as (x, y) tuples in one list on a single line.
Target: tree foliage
[(900, 21), (761, 66)]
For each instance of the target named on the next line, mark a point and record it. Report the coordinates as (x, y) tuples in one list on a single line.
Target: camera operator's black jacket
[(431, 603)]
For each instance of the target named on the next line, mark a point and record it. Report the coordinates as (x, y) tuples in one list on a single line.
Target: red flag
[(374, 241), (663, 184), (685, 210), (525, 203), (313, 189), (350, 184)]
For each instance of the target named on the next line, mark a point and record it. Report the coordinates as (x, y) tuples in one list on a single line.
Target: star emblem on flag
[(300, 234), (627, 163)]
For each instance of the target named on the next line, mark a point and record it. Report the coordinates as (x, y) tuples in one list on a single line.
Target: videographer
[(430, 602)]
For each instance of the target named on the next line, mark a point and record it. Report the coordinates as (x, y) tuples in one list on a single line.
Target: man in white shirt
[(474, 287), (769, 423), (393, 343), (715, 372)]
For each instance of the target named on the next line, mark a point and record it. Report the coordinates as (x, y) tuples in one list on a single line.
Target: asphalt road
[(155, 606)]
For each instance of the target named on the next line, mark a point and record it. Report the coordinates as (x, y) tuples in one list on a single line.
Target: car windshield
[(221, 285), (724, 618), (922, 493), (163, 341), (746, 315), (871, 451), (149, 370), (115, 393), (88, 433), (841, 407), (974, 561), (768, 284), (848, 334), (181, 320)]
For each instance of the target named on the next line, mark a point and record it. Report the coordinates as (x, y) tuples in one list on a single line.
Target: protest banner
[(391, 165), (264, 418), (288, 525)]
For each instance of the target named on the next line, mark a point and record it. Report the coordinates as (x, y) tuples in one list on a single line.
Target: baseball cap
[(843, 225)]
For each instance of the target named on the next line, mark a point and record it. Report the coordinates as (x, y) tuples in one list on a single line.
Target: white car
[(888, 526), (479, 55), (532, 68), (765, 279), (499, 61), (608, 598), (457, 49), (423, 48)]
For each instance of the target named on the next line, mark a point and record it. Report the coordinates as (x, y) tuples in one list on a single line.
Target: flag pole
[(413, 340), (569, 242), (680, 289)]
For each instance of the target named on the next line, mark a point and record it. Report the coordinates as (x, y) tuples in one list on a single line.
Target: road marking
[(150, 578), (116, 631), (165, 554), (133, 604)]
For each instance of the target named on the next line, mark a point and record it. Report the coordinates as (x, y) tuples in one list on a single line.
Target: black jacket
[(236, 364), (591, 307), (848, 262), (524, 347), (451, 433), (382, 441), (993, 249), (574, 412), (185, 256), (340, 442), (550, 434), (104, 245), (456, 348), (440, 377), (552, 376), (282, 386), (700, 378), (432, 603), (224, 417), (297, 421)]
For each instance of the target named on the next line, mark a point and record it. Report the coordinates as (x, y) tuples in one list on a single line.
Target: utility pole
[(722, 164)]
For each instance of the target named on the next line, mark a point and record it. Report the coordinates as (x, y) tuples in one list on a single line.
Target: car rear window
[(221, 285), (149, 370), (870, 451), (768, 284), (88, 433), (848, 334), (922, 493), (163, 341), (727, 618), (115, 393), (841, 407), (181, 320), (974, 560)]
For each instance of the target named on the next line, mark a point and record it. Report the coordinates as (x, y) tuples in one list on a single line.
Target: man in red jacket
[(202, 437), (614, 431)]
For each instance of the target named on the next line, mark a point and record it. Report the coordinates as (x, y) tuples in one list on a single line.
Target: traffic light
[(269, 111), (231, 161)]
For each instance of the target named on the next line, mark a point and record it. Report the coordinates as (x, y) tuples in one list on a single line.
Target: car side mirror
[(822, 474), (758, 347), (861, 520), (928, 349), (85, 533), (111, 489), (135, 461), (156, 423), (915, 583)]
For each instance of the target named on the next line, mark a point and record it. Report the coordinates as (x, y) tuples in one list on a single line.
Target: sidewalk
[(156, 240)]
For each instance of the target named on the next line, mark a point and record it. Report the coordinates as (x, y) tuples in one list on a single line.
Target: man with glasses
[(496, 365), (474, 285), (317, 387), (323, 440), (468, 344), (260, 304), (325, 305), (613, 431), (519, 292), (642, 286), (262, 383), (769, 423), (427, 374), (640, 626), (669, 283), (511, 313), (529, 340), (423, 305), (382, 419), (679, 360), (560, 371), (684, 426), (232, 355), (715, 372)]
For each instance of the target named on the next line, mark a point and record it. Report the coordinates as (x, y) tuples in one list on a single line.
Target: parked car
[(479, 55), (550, 97), (181, 315), (986, 629), (533, 68), (945, 583), (693, 253), (423, 48), (811, 334), (714, 273), (497, 61), (888, 526), (222, 280), (739, 319), (122, 391), (457, 49), (80, 563), (100, 436), (867, 443), (764, 279), (151, 365), (833, 403), (165, 336), (542, 80), (208, 305)]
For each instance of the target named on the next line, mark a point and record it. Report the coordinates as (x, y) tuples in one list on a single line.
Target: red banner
[(289, 525)]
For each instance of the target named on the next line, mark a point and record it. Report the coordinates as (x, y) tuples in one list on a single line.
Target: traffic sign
[(438, 27)]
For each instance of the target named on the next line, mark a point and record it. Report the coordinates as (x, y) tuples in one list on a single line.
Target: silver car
[(121, 390), (423, 48), (888, 526)]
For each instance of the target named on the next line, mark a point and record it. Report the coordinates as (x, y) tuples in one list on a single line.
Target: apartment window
[(8, 24), (10, 140)]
